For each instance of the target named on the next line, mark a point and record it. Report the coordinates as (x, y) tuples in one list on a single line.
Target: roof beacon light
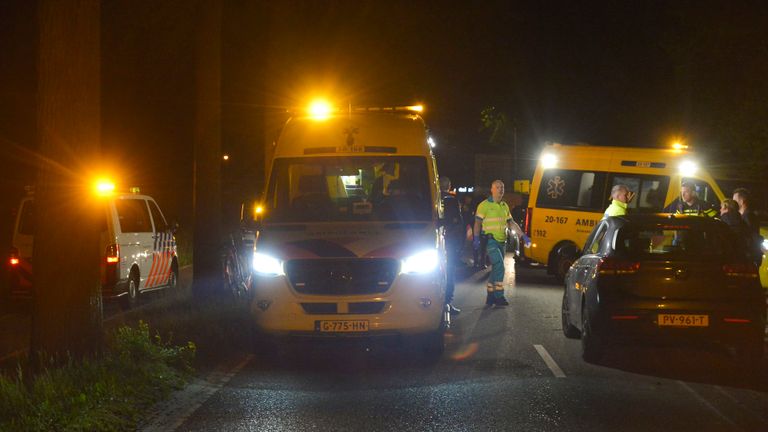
[(104, 187), (548, 160), (320, 109), (416, 108), (679, 146), (688, 168), (431, 142)]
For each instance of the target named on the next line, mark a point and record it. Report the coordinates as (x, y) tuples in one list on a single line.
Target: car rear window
[(675, 242)]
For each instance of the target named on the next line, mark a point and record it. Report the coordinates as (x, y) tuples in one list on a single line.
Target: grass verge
[(109, 393)]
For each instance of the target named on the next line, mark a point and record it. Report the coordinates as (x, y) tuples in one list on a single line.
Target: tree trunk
[(67, 310), (207, 165)]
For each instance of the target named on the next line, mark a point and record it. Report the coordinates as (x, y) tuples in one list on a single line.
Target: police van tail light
[(612, 266), (13, 259), (527, 223), (740, 270), (113, 254)]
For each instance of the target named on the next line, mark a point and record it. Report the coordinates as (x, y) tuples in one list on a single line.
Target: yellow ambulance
[(571, 189), (348, 240)]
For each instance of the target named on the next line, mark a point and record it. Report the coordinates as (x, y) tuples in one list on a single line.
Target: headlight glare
[(267, 265), (422, 262)]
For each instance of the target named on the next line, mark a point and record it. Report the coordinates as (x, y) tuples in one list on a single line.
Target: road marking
[(549, 361), (175, 411), (708, 405)]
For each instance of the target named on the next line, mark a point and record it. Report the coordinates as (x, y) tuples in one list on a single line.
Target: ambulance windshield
[(375, 188)]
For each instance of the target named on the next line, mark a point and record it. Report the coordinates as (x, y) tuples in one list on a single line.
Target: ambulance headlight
[(765, 245), (422, 262), (267, 265)]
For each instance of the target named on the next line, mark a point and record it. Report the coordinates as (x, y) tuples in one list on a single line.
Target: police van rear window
[(133, 215)]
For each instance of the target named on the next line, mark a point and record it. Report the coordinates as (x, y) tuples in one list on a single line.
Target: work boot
[(490, 300), (501, 301)]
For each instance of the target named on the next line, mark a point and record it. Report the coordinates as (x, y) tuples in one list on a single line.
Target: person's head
[(445, 184), (497, 190), (729, 206), (620, 192), (741, 196), (688, 192)]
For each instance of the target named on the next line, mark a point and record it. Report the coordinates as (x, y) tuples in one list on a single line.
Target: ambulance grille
[(342, 276)]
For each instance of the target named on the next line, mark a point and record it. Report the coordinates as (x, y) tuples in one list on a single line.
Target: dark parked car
[(664, 278)]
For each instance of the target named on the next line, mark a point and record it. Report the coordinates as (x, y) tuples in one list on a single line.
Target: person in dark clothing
[(729, 213), (479, 253), (743, 199), (689, 203), (454, 238)]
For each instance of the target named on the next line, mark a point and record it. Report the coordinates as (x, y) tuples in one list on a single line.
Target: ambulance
[(571, 188), (348, 241), (139, 248)]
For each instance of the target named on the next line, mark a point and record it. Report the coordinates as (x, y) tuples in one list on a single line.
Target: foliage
[(107, 393), (497, 124)]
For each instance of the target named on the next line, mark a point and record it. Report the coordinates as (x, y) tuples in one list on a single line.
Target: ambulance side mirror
[(250, 220)]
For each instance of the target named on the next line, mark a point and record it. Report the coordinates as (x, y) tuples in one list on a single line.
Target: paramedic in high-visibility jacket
[(492, 218)]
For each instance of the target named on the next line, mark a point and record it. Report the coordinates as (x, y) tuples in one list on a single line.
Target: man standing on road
[(689, 203), (454, 238), (620, 198), (492, 219)]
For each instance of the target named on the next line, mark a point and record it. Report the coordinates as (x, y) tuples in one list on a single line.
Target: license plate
[(341, 326), (683, 320)]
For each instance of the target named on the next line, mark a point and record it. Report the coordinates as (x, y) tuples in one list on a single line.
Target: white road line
[(708, 405), (549, 361), (184, 403)]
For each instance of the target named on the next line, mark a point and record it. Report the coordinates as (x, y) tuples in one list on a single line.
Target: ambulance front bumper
[(412, 305)]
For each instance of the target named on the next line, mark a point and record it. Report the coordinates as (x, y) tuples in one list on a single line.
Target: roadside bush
[(105, 394)]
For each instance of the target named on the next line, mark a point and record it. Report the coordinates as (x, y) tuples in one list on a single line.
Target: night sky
[(619, 73)]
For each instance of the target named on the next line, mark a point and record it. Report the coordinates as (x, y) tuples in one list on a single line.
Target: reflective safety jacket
[(494, 216), (617, 208), (698, 207)]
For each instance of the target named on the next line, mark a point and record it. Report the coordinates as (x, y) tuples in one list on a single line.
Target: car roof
[(662, 218)]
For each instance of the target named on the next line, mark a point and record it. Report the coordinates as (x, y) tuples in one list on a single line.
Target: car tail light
[(113, 254), (527, 223), (612, 266), (737, 320), (13, 260), (743, 270)]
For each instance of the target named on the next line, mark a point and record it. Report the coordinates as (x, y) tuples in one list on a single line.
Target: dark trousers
[(453, 257)]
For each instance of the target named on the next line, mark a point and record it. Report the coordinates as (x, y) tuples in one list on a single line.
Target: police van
[(571, 189), (348, 239), (139, 249)]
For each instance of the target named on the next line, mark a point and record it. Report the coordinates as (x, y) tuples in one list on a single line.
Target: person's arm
[(478, 227)]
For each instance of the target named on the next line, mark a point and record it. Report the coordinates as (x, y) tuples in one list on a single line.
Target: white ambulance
[(349, 241), (139, 249)]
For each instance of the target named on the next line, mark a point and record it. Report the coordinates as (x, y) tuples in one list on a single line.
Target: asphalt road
[(504, 369)]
